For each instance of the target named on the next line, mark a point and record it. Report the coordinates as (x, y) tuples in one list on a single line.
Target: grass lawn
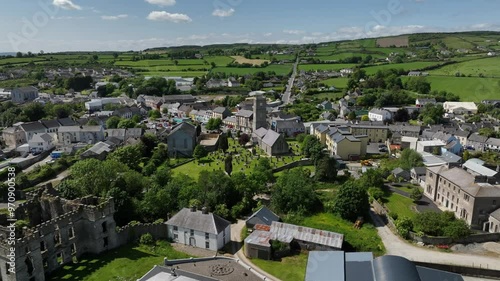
[(370, 70), (129, 262), (336, 66), (337, 82), (473, 89), (289, 268), (401, 205), (364, 239), (328, 95), (243, 160), (487, 66), (278, 69)]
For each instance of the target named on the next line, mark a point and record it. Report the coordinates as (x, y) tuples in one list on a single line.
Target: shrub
[(416, 194), (159, 221), (456, 229), (146, 239), (404, 225), (394, 215)]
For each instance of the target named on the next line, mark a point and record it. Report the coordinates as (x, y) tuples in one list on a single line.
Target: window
[(207, 245), (191, 232), (176, 237), (207, 236), (105, 242), (176, 228), (71, 232), (494, 202), (104, 227), (42, 246)]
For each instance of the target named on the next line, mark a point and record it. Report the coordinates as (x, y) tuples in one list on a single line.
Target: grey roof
[(289, 124), (65, 129), (50, 123), (321, 128), (338, 265), (220, 109), (496, 214), (178, 98), (41, 138), (66, 121), (33, 126), (379, 111), (479, 169), (208, 223), (458, 176), (99, 148), (119, 133), (404, 128), (26, 89), (244, 113), (262, 216), (285, 232), (493, 141), (476, 137), (260, 133), (419, 170), (133, 133), (450, 157), (185, 127), (271, 137)]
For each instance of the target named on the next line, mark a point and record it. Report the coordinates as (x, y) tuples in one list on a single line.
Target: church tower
[(259, 113)]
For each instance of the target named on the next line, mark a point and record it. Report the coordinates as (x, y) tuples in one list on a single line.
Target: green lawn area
[(336, 66), (473, 89), (289, 268), (129, 263), (174, 73), (488, 66), (401, 205), (243, 160), (406, 66), (337, 82), (328, 95), (278, 69), (364, 239)]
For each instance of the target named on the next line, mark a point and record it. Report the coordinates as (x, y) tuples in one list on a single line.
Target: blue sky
[(86, 25)]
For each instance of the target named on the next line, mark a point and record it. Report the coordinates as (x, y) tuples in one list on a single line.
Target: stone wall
[(299, 163), (131, 233), (474, 238)]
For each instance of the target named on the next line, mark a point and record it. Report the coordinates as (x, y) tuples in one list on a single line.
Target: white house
[(74, 134), (42, 142), (199, 229), (460, 107), (377, 114)]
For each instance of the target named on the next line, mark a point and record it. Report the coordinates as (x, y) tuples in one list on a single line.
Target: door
[(192, 242)]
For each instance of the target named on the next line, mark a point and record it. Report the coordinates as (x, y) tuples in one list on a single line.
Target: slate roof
[(33, 126), (184, 126), (493, 141), (26, 89), (459, 177), (50, 123), (208, 223), (260, 133), (41, 138), (321, 128), (379, 111), (496, 214), (476, 137), (219, 109), (271, 138), (262, 216), (66, 122), (419, 170), (450, 157), (244, 113), (65, 129)]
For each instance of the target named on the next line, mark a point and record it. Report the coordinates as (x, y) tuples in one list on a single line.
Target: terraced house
[(471, 198)]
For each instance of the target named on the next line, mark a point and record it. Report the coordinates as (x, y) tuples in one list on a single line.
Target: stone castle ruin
[(59, 232)]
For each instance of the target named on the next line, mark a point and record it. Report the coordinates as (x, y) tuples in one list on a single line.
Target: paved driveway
[(397, 246)]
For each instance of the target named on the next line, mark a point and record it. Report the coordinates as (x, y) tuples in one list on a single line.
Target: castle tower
[(259, 113)]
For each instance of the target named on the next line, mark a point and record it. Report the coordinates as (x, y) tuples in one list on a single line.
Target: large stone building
[(59, 231), (471, 198), (259, 113), (25, 94), (271, 142), (182, 140)]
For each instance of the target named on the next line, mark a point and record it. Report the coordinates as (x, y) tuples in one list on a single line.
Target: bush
[(457, 229), (146, 239), (416, 194), (404, 225), (394, 215)]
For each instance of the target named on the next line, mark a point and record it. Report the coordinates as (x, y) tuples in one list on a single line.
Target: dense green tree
[(199, 152), (402, 115), (409, 159), (130, 155), (419, 85), (431, 114), (34, 111), (78, 83), (404, 225), (214, 124), (228, 164), (416, 194), (154, 114), (162, 175), (223, 143), (456, 229), (352, 201), (430, 223), (294, 192), (371, 178), (126, 124), (112, 122), (326, 169)]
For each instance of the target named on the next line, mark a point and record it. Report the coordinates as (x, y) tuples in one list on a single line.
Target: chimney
[(204, 210)]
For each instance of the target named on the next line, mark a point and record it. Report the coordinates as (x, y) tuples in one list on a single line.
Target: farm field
[(279, 69), (487, 66), (467, 88), (242, 60), (406, 66), (336, 67), (338, 83), (345, 55)]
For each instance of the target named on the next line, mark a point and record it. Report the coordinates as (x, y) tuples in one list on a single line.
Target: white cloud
[(223, 13), (67, 18), (268, 34), (293, 31), (162, 3), (117, 17), (66, 4), (165, 16)]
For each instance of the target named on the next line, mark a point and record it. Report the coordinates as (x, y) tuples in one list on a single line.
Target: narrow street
[(397, 246), (288, 92)]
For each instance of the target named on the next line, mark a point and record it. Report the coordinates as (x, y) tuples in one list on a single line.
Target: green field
[(336, 67), (401, 205), (278, 69), (289, 268), (467, 88), (339, 83), (129, 262), (409, 66), (489, 67)]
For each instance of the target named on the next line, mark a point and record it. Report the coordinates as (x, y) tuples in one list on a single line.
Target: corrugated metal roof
[(287, 232)]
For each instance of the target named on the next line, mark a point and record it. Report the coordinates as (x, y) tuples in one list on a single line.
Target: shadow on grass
[(205, 161), (88, 264)]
